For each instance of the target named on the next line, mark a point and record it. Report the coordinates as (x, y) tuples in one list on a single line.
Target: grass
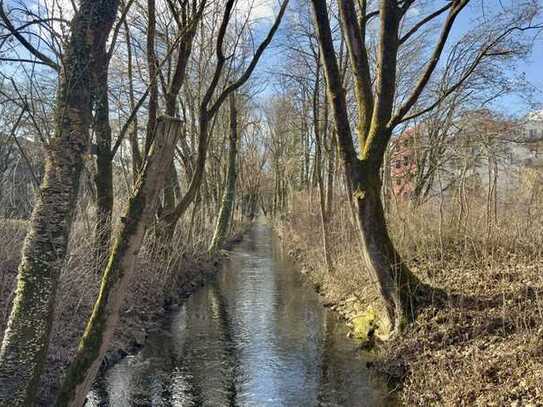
[(481, 344)]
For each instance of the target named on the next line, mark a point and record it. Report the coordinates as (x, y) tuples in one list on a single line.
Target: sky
[(531, 67), (263, 12)]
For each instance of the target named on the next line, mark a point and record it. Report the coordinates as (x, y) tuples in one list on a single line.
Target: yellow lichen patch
[(359, 194), (365, 325)]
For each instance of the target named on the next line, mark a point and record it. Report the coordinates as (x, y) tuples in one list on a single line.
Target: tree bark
[(397, 285), (133, 133), (228, 198), (104, 166), (105, 315), (320, 132), (24, 348), (152, 67), (187, 25)]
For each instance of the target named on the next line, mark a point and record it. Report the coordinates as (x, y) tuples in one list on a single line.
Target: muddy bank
[(154, 291)]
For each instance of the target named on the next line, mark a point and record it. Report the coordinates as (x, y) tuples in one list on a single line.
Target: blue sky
[(531, 68)]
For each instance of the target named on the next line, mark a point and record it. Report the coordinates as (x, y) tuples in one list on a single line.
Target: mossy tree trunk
[(396, 284), (122, 259), (24, 348), (229, 194)]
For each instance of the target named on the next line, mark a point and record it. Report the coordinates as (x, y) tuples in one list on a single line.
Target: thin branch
[(252, 65), (436, 55), (118, 28), (129, 121), (39, 55), (24, 61), (484, 53), (423, 22), (12, 133)]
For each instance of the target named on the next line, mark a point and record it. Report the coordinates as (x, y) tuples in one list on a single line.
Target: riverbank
[(257, 335), (482, 345), (156, 288)]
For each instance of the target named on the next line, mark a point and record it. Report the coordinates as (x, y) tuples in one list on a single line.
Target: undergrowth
[(481, 343)]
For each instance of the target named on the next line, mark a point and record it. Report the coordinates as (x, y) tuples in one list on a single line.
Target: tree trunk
[(331, 175), (104, 168), (101, 326), (320, 128), (323, 213), (397, 285), (229, 194), (133, 134), (168, 221), (24, 348)]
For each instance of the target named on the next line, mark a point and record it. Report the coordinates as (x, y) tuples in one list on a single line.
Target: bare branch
[(434, 59), (30, 48), (118, 28), (252, 65), (423, 22)]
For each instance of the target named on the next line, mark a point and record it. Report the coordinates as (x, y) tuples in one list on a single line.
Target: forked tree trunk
[(396, 284), (103, 321), (24, 348), (229, 194)]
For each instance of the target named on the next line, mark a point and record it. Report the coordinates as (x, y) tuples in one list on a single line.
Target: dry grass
[(483, 344)]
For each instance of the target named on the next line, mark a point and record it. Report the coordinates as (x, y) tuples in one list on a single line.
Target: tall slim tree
[(121, 262), (212, 102), (229, 194)]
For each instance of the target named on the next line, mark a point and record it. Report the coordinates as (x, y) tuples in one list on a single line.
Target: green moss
[(365, 325)]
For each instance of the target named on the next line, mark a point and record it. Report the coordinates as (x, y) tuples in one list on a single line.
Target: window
[(398, 164), (406, 160), (398, 182), (533, 133)]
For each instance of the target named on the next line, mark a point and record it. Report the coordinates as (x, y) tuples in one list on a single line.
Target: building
[(527, 150), (480, 145), (527, 155), (403, 164)]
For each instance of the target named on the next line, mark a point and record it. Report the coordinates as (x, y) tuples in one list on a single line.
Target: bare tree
[(378, 115), (25, 343)]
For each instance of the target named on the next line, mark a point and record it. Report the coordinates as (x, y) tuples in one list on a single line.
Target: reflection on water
[(257, 336)]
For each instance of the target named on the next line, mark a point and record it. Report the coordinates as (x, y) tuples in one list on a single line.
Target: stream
[(255, 336)]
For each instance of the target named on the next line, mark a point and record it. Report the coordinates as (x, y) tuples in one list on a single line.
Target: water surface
[(257, 336)]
